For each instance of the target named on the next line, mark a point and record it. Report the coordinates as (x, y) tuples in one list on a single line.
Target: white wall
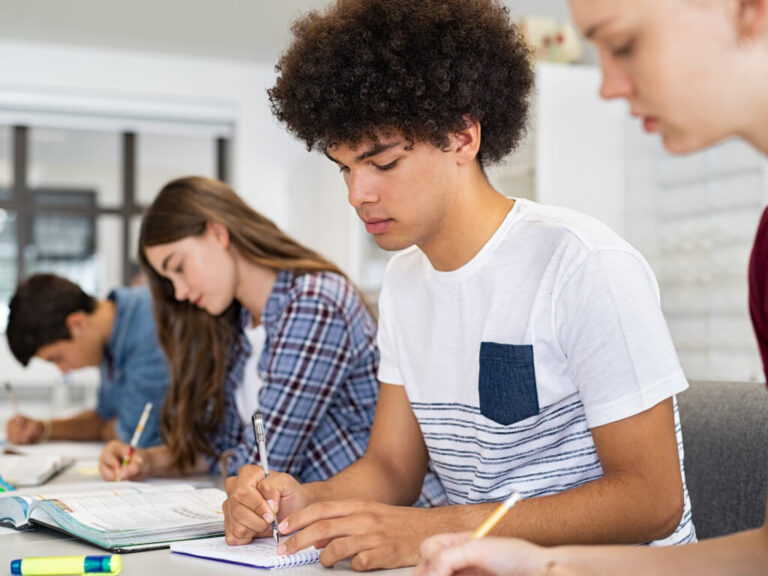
[(579, 144), (150, 78)]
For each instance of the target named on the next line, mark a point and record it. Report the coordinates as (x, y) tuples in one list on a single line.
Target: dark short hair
[(417, 67), (38, 313)]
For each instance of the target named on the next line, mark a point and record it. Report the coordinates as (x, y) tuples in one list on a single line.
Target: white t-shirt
[(554, 327), (247, 394)]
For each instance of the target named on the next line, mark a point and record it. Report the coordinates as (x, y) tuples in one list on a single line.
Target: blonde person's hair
[(197, 344)]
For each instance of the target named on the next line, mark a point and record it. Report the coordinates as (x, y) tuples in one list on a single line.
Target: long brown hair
[(197, 344)]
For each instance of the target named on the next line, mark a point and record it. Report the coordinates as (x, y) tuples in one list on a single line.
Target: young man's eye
[(343, 169), (387, 166)]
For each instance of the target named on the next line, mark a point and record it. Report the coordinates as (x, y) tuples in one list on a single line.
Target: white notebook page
[(260, 553)]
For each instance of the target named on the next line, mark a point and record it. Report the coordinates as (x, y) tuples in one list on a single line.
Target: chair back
[(725, 440)]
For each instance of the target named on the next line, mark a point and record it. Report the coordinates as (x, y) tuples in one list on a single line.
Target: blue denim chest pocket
[(507, 382)]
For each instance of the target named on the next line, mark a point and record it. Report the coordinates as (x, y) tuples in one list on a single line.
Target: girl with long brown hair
[(216, 267)]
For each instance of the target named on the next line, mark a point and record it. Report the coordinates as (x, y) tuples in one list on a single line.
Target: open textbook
[(260, 553), (119, 516)]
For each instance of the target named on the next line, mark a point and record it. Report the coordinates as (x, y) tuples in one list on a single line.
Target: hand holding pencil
[(448, 554), (21, 429), (120, 461)]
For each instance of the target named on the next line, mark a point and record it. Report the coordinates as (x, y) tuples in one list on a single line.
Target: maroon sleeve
[(758, 288)]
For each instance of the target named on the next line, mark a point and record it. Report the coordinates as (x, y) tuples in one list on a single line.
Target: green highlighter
[(111, 564)]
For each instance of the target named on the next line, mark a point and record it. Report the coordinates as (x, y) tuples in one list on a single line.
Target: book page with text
[(150, 511)]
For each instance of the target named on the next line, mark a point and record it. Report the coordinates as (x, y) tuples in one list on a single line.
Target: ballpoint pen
[(111, 564), (261, 440), (12, 397), (497, 515), (137, 433)]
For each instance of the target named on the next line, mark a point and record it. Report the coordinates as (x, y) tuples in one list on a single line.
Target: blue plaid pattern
[(318, 367)]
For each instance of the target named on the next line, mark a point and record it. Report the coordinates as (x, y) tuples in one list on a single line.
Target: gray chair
[(725, 437)]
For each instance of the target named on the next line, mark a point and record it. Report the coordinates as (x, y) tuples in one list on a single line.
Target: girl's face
[(676, 62), (201, 268)]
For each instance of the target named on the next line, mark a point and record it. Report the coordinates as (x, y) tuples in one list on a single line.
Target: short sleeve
[(389, 370), (608, 321)]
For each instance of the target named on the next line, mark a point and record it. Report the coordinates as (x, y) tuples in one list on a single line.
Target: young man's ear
[(76, 322), (218, 232), (751, 19), (467, 142)]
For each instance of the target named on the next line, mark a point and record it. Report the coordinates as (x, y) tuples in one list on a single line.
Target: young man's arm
[(391, 471), (639, 499), (85, 426)]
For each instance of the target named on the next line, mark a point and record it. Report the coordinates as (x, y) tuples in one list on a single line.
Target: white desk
[(43, 542), (151, 563)]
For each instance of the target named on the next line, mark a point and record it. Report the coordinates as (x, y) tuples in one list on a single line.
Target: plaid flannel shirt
[(318, 367)]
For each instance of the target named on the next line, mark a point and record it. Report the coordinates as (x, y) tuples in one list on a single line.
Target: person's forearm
[(604, 511), (108, 432), (85, 426), (370, 478), (743, 554), (609, 510)]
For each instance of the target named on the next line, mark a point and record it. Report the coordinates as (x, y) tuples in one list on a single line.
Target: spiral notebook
[(258, 554)]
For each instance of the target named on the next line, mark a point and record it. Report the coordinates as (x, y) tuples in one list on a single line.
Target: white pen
[(261, 440), (12, 397)]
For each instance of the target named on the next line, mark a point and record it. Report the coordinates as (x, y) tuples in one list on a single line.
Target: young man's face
[(84, 348), (402, 191), (70, 354)]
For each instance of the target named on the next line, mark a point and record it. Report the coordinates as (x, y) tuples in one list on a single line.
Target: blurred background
[(103, 102)]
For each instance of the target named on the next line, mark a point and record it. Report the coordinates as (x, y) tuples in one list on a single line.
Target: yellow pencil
[(497, 515)]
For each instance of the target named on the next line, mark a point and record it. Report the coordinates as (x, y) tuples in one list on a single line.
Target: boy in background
[(52, 319)]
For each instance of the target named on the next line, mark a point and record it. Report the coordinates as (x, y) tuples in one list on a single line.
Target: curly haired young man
[(522, 346)]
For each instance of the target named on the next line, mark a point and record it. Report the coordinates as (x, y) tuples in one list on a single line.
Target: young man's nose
[(359, 191)]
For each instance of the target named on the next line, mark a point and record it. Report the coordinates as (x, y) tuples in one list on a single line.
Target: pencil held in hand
[(11, 397), (497, 515), (137, 433)]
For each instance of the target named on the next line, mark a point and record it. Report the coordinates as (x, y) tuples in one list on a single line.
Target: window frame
[(22, 203)]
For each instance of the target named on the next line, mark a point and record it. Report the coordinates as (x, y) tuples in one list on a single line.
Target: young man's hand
[(111, 463), (253, 499), (23, 430), (373, 535)]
